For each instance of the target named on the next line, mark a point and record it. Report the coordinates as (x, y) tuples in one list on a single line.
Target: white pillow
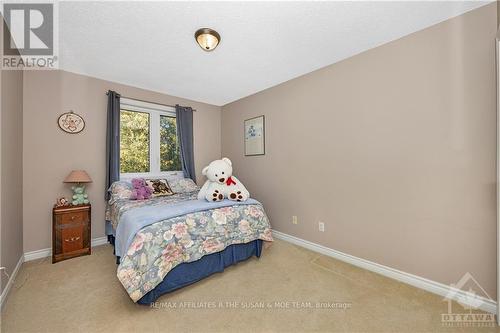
[(120, 190), (183, 185)]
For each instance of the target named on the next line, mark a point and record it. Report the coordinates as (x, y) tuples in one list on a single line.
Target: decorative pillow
[(120, 190), (183, 185), (159, 187)]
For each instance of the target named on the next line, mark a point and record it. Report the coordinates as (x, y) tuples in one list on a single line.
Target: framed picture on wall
[(71, 122), (255, 142)]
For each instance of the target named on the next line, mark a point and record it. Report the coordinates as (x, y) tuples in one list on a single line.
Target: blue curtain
[(184, 116), (112, 141)]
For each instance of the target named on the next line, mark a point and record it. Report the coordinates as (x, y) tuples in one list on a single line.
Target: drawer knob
[(72, 218), (72, 239)]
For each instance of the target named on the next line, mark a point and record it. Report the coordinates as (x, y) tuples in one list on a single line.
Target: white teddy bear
[(221, 183)]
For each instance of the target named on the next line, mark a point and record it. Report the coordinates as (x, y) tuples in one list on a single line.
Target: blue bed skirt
[(188, 273)]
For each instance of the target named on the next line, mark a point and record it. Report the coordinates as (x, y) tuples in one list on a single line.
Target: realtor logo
[(28, 36), (471, 297)]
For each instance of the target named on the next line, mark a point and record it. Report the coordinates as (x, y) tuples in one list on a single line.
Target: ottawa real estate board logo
[(468, 305), (29, 31)]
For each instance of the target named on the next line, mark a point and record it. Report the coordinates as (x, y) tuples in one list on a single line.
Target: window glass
[(134, 142), (169, 147)]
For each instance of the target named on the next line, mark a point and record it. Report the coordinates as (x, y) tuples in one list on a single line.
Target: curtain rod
[(141, 100)]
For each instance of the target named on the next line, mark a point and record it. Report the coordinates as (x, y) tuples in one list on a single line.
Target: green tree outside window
[(135, 144), (169, 148), (134, 141)]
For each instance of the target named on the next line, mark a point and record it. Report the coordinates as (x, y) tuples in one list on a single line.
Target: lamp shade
[(78, 176)]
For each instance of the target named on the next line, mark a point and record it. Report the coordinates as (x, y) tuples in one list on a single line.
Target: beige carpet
[(83, 295)]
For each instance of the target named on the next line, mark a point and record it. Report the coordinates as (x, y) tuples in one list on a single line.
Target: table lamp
[(78, 177)]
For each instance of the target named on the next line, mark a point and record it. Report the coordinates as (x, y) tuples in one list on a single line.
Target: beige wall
[(393, 149), (50, 154), (11, 170), (3, 279), (11, 129)]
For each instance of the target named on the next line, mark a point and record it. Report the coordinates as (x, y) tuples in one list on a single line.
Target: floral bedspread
[(159, 247)]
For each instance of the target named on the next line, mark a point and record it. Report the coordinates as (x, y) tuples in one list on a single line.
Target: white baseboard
[(37, 254), (99, 241), (43, 253), (12, 278), (413, 280)]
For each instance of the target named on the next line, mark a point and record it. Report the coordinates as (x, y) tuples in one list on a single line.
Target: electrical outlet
[(321, 226), (4, 269), (294, 220)]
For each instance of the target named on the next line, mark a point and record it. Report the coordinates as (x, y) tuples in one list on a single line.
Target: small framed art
[(71, 122), (255, 141)]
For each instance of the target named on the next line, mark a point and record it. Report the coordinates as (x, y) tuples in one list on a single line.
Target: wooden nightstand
[(70, 232)]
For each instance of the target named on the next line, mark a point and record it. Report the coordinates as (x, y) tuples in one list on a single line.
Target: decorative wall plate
[(71, 122)]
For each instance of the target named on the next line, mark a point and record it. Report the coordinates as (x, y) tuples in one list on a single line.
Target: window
[(134, 142), (148, 138), (169, 149)]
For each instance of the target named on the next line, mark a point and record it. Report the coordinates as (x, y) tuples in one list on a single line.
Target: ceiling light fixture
[(207, 38)]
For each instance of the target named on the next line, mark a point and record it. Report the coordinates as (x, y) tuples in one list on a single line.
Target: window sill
[(151, 175)]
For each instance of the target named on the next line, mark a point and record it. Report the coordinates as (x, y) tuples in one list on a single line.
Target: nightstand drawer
[(73, 218), (72, 239)]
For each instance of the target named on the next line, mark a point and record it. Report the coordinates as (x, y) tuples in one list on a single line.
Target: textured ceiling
[(151, 44)]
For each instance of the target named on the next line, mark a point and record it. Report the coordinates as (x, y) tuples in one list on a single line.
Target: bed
[(168, 242)]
